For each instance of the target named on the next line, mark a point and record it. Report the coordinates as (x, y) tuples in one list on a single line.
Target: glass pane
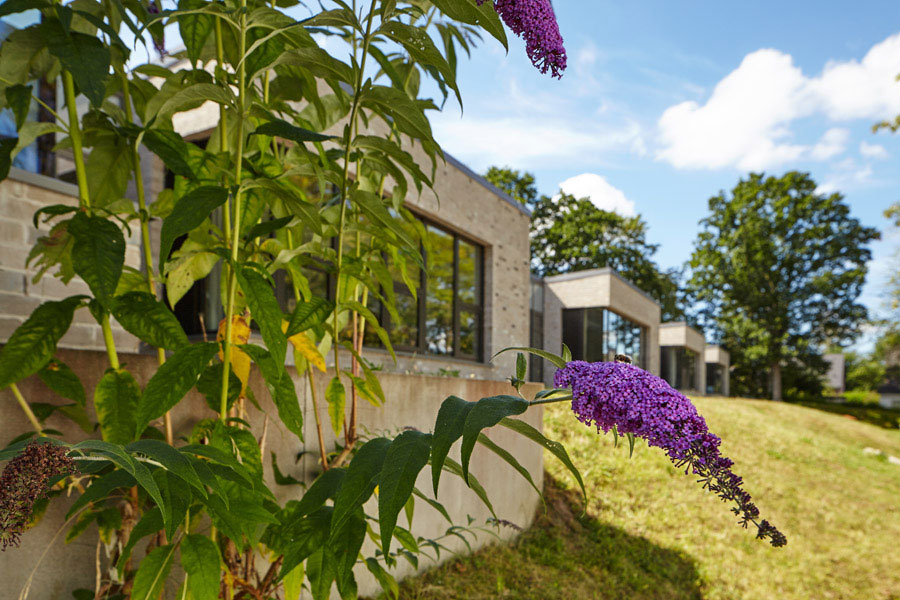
[(406, 332), (469, 273), (469, 333), (439, 297), (593, 343)]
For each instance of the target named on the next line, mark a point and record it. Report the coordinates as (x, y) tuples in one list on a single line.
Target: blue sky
[(666, 103)]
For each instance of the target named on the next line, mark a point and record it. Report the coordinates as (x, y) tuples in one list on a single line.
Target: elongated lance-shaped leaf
[(511, 461), (307, 535), (264, 309), (448, 428), (172, 149), (324, 487), (101, 487), (146, 317), (309, 314), (281, 386), (189, 212), (283, 129), (150, 579), (387, 582), (336, 396), (487, 412), (451, 466), (57, 376), (360, 481), (555, 448), (115, 400), (86, 57), (406, 457), (151, 522), (200, 559), (557, 361), (434, 504), (98, 254), (171, 459), (33, 343), (172, 381)]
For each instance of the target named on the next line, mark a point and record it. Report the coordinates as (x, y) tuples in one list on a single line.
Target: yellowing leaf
[(240, 334), (306, 347)]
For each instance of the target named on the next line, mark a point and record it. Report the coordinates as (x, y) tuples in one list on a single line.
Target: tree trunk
[(776, 382)]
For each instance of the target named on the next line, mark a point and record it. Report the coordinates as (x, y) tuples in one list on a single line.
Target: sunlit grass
[(651, 532)]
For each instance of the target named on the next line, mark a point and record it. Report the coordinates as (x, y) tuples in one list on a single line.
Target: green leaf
[(281, 386), (86, 57), (195, 29), (7, 146), (264, 228), (344, 550), (307, 535), (511, 460), (521, 366), (406, 457), (101, 488), (487, 412), (284, 130), (172, 381), (201, 562), (630, 437), (151, 522), (170, 458), (265, 310), (320, 572), (556, 360), (57, 376), (210, 385), (193, 97), (115, 400), (109, 168), (98, 254), (324, 487), (189, 212), (146, 317), (385, 580), (555, 448), (31, 131), (448, 428), (18, 99), (421, 49), (11, 7), (171, 148), (336, 396), (183, 272), (33, 343), (318, 62), (150, 579), (566, 354), (451, 466), (293, 583), (360, 481)]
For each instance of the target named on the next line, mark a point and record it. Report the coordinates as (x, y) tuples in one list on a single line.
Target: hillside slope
[(651, 532)]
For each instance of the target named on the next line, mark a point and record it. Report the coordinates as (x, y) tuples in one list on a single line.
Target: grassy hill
[(651, 532)]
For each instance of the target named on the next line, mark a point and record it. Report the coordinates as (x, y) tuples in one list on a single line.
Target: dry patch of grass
[(651, 532)]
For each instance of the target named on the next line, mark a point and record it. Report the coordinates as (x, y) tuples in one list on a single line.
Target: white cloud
[(872, 150), (746, 122), (846, 175), (602, 194)]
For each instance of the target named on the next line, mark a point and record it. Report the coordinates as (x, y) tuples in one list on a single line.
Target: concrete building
[(835, 376), (482, 237), (682, 357), (598, 314), (718, 364)]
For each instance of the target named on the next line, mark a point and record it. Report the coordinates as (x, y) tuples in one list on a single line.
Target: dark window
[(599, 334), (715, 378), (679, 367)]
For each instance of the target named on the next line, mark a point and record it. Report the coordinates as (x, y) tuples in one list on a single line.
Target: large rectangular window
[(679, 367), (599, 334), (715, 378)]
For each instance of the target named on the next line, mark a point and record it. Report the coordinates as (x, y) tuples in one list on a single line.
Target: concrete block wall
[(412, 401), (719, 356), (21, 194), (681, 334)]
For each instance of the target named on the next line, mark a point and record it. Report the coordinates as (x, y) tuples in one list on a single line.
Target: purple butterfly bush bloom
[(25, 481), (535, 22), (633, 401)]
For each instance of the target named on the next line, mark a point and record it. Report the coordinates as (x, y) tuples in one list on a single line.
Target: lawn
[(651, 532)]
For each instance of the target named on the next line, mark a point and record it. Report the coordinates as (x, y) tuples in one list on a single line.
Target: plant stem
[(236, 229), (43, 104), (223, 124), (549, 400), (75, 136), (109, 342), (26, 409), (145, 229)]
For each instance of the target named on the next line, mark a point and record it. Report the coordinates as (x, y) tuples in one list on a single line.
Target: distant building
[(682, 357), (597, 313), (835, 377), (718, 363)]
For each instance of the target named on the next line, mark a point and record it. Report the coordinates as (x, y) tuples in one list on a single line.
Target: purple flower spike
[(633, 401), (535, 22), (24, 482)]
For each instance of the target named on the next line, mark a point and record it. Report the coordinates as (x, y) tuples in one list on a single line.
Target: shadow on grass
[(876, 415), (564, 556)]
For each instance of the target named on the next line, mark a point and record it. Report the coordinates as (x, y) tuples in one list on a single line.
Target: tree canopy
[(779, 268), (572, 234)]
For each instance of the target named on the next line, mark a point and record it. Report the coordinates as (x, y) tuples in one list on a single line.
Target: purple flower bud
[(535, 22), (633, 401), (24, 482)]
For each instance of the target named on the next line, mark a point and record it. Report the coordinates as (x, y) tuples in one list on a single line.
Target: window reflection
[(439, 295), (599, 334)]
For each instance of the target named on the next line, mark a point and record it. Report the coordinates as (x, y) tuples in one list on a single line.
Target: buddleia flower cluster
[(535, 22), (634, 401), (24, 481)]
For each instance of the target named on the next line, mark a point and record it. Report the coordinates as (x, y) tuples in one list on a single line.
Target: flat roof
[(485, 183), (601, 271)]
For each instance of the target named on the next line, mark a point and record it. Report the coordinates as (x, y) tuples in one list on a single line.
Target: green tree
[(571, 234), (864, 372), (779, 268)]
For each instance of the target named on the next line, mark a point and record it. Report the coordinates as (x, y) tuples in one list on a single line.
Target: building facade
[(682, 357), (718, 371)]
